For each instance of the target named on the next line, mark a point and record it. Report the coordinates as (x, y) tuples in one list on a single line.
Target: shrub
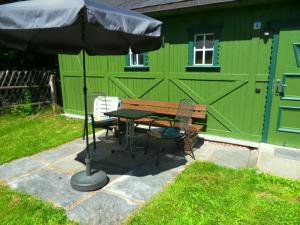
[(25, 108)]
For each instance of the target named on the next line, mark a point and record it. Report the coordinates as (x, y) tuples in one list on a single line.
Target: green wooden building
[(239, 57)]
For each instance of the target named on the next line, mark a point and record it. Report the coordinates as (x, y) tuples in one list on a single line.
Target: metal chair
[(178, 129), (100, 104)]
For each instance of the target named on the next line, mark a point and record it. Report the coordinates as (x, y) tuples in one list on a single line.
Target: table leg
[(129, 137)]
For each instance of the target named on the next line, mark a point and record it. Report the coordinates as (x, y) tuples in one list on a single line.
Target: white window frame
[(137, 59), (203, 49)]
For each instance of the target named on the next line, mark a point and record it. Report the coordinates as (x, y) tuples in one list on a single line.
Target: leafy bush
[(25, 108)]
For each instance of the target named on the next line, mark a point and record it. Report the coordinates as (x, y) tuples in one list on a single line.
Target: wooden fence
[(19, 87)]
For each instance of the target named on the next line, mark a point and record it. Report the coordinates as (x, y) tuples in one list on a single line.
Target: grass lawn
[(24, 136), (19, 208), (208, 194)]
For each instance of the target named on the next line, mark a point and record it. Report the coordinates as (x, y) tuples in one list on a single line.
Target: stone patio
[(132, 181)]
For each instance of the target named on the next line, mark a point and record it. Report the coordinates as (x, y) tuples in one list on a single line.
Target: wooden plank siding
[(234, 108)]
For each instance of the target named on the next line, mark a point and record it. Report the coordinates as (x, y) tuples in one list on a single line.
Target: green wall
[(235, 109)]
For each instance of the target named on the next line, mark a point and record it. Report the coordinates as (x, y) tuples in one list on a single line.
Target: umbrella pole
[(87, 157), (88, 180)]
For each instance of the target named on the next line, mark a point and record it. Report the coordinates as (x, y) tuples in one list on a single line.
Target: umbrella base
[(82, 182)]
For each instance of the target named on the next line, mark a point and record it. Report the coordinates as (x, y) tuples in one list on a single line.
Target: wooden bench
[(166, 109)]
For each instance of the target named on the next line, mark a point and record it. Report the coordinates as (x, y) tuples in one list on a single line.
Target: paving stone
[(68, 165), (18, 168), (233, 158), (116, 164), (253, 158), (280, 167), (141, 183), (279, 162), (204, 152), (62, 151), (49, 185), (227, 155), (102, 209), (170, 162), (65, 150), (287, 153), (122, 159)]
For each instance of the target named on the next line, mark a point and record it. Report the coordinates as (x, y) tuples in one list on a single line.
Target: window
[(136, 59), (203, 49), (297, 53), (135, 62)]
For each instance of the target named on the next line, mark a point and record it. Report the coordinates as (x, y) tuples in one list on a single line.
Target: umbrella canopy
[(69, 26)]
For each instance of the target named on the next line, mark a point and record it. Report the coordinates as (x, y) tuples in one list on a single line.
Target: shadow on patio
[(121, 162)]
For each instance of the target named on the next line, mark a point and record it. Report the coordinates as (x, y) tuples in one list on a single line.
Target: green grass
[(18, 208), (24, 136), (208, 194)]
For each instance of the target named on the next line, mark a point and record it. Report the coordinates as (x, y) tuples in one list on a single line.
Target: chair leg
[(190, 147), (158, 152), (94, 136), (119, 131), (83, 135), (147, 145), (106, 132), (120, 136)]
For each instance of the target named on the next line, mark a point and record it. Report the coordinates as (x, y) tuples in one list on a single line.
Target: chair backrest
[(112, 103), (183, 117), (103, 104)]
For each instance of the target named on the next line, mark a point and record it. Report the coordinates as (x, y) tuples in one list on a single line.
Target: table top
[(129, 113)]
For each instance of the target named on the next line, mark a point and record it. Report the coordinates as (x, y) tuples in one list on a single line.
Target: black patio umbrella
[(72, 26)]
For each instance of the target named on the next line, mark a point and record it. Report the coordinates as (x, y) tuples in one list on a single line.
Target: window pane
[(133, 59), (208, 57), (199, 41), (209, 41), (199, 57), (141, 59)]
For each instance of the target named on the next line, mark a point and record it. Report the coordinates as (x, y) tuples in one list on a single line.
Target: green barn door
[(284, 128)]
